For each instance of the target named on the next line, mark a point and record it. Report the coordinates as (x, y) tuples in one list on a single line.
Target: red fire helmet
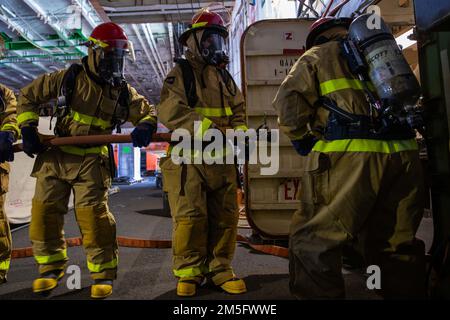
[(109, 35), (323, 24), (205, 19)]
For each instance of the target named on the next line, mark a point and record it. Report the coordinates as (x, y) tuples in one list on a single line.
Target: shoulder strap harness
[(64, 100), (2, 100), (189, 81)]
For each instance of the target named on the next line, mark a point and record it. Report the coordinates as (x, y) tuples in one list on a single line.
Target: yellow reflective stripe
[(214, 112), (29, 115), (148, 119), (331, 86), (10, 126), (365, 145), (206, 123), (241, 127), (188, 272), (89, 120), (62, 255), (99, 267), (199, 24), (84, 151), (99, 42), (4, 265)]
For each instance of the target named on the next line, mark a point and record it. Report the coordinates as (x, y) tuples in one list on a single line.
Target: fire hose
[(156, 244), (50, 140), (125, 241)]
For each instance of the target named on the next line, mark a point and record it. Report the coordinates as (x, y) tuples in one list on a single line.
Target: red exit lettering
[(288, 187)]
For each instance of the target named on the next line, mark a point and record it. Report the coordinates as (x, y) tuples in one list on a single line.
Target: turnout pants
[(5, 233), (375, 197), (203, 205), (58, 174)]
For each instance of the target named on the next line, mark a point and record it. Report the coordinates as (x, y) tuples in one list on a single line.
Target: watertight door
[(269, 48)]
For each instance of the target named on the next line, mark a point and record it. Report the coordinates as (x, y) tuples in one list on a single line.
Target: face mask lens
[(213, 48), (117, 59), (112, 66)]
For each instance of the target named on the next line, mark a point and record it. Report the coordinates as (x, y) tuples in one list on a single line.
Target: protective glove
[(305, 145), (31, 142), (6, 148), (142, 135)]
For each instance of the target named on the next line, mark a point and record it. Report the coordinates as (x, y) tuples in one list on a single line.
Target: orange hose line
[(155, 244)]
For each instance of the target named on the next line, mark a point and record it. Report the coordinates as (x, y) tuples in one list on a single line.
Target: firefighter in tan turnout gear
[(202, 197), (361, 181), (93, 98), (9, 132)]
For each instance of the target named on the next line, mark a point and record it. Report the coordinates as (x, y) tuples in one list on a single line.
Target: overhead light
[(12, 14), (404, 41)]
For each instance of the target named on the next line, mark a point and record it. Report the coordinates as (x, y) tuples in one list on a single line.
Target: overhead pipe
[(152, 38), (37, 59), (172, 45), (38, 64), (87, 14), (17, 68), (338, 7), (17, 28), (153, 49), (329, 11), (40, 55), (100, 10), (160, 8), (60, 31), (141, 41), (26, 38), (12, 79), (302, 13), (325, 13)]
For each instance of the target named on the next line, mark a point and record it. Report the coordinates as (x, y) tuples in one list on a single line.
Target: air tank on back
[(389, 71)]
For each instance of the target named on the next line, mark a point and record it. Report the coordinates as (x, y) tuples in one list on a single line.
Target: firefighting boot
[(234, 286), (101, 289), (187, 287), (47, 281)]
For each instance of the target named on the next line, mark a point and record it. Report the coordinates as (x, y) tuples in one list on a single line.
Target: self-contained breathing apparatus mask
[(213, 48), (389, 84), (111, 66)]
